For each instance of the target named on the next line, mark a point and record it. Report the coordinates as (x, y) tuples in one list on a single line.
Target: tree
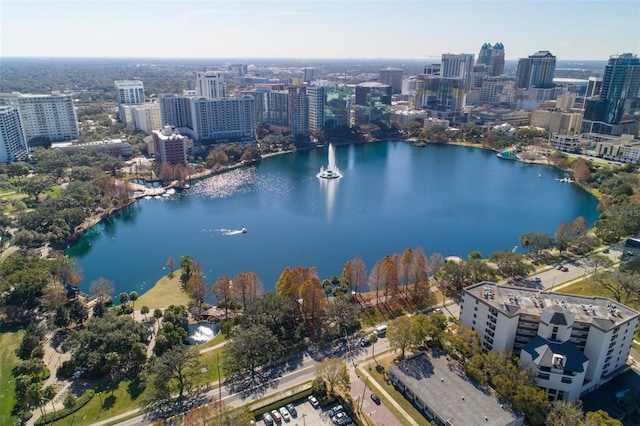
[(175, 372), (375, 279), (169, 264), (581, 170), (565, 413), (224, 291), (249, 349), (144, 310), (133, 296), (35, 186), (102, 289), (624, 286), (406, 269), (342, 316), (511, 264), (123, 298), (248, 286), (373, 338), (186, 265), (197, 288), (428, 329), (599, 261), (312, 300), (536, 241), (389, 276), (600, 418), (333, 371), (400, 334), (358, 273), (277, 313)]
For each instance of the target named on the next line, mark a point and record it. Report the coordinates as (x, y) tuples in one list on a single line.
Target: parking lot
[(307, 415)]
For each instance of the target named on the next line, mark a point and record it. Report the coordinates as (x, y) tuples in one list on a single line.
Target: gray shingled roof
[(542, 351)]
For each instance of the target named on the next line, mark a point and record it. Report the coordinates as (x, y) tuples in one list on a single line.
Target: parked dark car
[(292, 410), (375, 398)]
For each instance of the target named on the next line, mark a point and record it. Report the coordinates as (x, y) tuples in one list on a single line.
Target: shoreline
[(94, 220)]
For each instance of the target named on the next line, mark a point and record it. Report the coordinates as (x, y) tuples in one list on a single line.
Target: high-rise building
[(223, 118), (169, 146), (129, 92), (316, 97), (176, 111), (444, 97), (594, 86), (51, 116), (210, 84), (536, 71), (458, 66), (392, 77), (373, 103), (573, 343), (271, 105), (614, 112), (146, 117), (493, 56), (13, 146), (298, 110)]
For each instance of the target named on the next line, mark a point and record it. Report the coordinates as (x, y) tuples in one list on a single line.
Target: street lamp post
[(219, 380)]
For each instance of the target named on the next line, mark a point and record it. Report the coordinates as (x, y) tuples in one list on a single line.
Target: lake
[(447, 199)]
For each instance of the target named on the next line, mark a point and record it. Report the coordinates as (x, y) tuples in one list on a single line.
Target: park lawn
[(167, 291), (125, 397), (210, 359), (216, 340), (9, 342), (381, 382)]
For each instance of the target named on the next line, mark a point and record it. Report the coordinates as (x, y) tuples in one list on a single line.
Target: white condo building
[(573, 343), (223, 118), (146, 117), (13, 146), (129, 92), (210, 84), (52, 116)]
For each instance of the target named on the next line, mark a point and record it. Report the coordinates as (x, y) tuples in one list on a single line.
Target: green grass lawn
[(9, 342), (110, 402), (167, 291)]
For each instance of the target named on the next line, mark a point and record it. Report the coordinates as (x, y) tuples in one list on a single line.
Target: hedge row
[(57, 415)]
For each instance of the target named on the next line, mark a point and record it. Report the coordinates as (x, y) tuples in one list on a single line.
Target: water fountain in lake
[(331, 172)]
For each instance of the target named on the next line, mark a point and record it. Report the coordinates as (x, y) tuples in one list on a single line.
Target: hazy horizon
[(320, 29)]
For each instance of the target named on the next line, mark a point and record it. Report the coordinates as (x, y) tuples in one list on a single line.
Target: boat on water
[(244, 230), (508, 153)]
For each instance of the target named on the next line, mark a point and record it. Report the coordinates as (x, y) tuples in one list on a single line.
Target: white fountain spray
[(332, 171)]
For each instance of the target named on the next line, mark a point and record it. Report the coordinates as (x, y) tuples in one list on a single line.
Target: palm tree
[(133, 296), (123, 298), (144, 310), (48, 394)]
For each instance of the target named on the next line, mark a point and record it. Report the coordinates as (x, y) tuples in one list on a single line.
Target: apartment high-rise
[(51, 116), (271, 105), (176, 111), (573, 343), (13, 146), (536, 71), (223, 118), (298, 110), (146, 117), (392, 77), (128, 92), (615, 111), (493, 57), (316, 97), (210, 84)]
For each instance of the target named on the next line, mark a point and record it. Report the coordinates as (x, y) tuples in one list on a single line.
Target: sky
[(416, 29)]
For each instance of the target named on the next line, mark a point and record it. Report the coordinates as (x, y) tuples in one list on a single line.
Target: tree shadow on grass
[(136, 387)]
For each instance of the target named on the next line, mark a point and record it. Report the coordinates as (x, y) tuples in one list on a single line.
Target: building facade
[(372, 103), (147, 117), (392, 77), (458, 66), (615, 110), (169, 146), (13, 145), (316, 97), (573, 343), (272, 107), (557, 121), (536, 71), (223, 118), (210, 84), (51, 116), (176, 111), (298, 108), (129, 92), (493, 56)]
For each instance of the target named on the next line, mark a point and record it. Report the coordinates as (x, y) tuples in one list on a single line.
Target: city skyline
[(570, 30)]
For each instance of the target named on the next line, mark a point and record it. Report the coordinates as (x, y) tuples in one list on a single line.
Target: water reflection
[(330, 189)]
